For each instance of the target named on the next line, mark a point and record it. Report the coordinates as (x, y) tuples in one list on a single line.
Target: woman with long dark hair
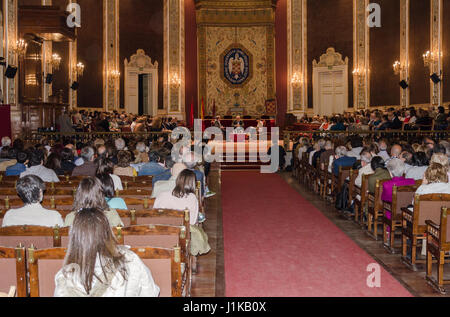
[(181, 198), (95, 266), (90, 195)]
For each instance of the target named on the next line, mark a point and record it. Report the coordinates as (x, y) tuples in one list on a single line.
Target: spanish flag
[(203, 109)]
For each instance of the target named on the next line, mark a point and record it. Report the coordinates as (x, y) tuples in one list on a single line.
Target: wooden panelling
[(281, 59), (330, 24), (446, 50), (61, 76), (191, 56), (90, 52), (142, 27), (384, 51), (419, 43)]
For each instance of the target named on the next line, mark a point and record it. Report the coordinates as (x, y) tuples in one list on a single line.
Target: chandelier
[(429, 58)]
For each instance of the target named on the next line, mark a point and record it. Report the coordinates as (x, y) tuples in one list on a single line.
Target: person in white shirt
[(31, 190), (420, 165), (383, 150), (95, 266), (357, 147), (37, 168), (366, 168), (435, 181), (169, 185), (106, 166)]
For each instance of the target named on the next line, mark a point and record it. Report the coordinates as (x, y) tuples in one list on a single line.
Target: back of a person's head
[(107, 185), (356, 142), (53, 161), (420, 159), (12, 153), (366, 156), (185, 184), (154, 157), (177, 169), (36, 158), (441, 159), (396, 167), (123, 158), (18, 144), (140, 147), (377, 162), (120, 144), (21, 157), (436, 173), (30, 189), (341, 151), (91, 237), (87, 153), (105, 166), (6, 141), (90, 195)]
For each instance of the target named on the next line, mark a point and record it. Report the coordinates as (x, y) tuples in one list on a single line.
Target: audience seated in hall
[(380, 173), (396, 168), (36, 167), (123, 167), (31, 189), (366, 168), (435, 181), (169, 185), (88, 168), (19, 167), (153, 167), (342, 160), (95, 266), (90, 195), (181, 198)]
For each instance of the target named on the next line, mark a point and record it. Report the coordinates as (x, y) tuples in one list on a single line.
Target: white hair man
[(88, 168), (342, 160), (120, 144), (365, 169)]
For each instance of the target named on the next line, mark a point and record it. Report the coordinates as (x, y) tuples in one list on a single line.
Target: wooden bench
[(426, 207), (374, 209), (40, 237), (438, 246)]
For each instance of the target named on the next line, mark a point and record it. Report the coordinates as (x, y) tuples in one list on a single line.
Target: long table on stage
[(268, 123)]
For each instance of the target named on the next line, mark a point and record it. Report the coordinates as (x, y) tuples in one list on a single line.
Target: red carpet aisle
[(278, 244)]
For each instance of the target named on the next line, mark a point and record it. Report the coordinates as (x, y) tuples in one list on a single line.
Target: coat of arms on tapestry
[(236, 64)]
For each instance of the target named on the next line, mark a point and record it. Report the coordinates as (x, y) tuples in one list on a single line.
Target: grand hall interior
[(224, 148)]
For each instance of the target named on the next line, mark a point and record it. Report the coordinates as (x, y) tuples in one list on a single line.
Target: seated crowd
[(93, 255), (378, 120)]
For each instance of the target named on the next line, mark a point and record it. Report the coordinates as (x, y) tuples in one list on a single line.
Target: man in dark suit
[(238, 123), (395, 123)]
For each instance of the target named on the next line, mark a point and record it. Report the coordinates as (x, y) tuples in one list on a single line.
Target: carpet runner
[(277, 244)]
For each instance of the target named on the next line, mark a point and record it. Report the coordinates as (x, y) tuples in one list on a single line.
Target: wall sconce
[(113, 76), (54, 61), (20, 47), (175, 81), (78, 70), (296, 80), (398, 67), (358, 72)]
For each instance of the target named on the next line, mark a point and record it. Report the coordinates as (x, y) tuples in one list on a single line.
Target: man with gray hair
[(366, 169), (6, 141), (120, 144), (88, 168), (342, 160), (397, 169)]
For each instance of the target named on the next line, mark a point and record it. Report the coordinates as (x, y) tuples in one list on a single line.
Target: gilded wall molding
[(47, 51), (174, 59), (111, 85), (436, 48), (404, 50), (10, 35), (361, 61), (73, 61), (297, 55)]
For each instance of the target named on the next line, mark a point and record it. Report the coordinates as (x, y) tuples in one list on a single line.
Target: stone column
[(297, 53), (111, 86), (73, 60), (361, 62), (436, 49), (47, 51), (404, 51), (174, 59)]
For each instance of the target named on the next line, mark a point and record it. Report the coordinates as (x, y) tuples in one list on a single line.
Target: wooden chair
[(139, 185), (11, 293), (351, 185), (401, 197), (364, 193), (166, 267), (374, 209), (426, 207), (338, 181), (13, 267), (438, 246)]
